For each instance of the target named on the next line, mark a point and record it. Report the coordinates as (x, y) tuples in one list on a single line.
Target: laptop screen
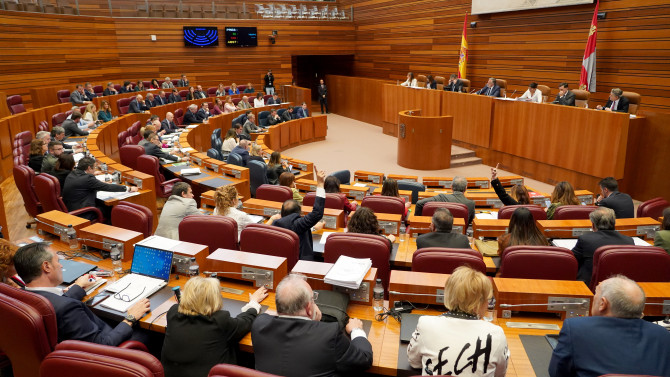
[(152, 262)]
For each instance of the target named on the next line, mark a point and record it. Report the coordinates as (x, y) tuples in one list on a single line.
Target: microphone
[(473, 90), (513, 93), (215, 274)]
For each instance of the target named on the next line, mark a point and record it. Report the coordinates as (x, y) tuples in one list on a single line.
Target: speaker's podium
[(422, 138)]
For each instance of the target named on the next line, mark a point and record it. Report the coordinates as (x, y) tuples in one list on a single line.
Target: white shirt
[(537, 97), (259, 102), (241, 218), (228, 145), (410, 84), (54, 290), (228, 108)]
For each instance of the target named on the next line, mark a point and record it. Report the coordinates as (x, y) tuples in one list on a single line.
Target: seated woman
[(200, 334), (229, 142), (461, 333), (288, 179), (139, 86), (259, 101), (63, 168), (191, 93), (37, 151), (7, 271), (154, 84), (233, 89), (662, 237), (229, 106), (332, 186), (105, 113), (522, 231), (221, 91), (218, 107), (390, 188), (256, 153), (364, 221), (275, 168), (91, 113), (518, 194), (563, 194), (226, 201)]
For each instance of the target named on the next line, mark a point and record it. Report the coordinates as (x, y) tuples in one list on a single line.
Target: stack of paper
[(107, 195), (348, 272), (190, 171), (569, 243)]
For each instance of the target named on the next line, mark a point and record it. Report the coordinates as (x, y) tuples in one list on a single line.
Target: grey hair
[(443, 220), (459, 184), (193, 107), (57, 130), (291, 297), (603, 218), (623, 304), (28, 260), (617, 92), (42, 134)]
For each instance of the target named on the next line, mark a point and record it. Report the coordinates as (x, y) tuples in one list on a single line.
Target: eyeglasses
[(315, 295), (126, 298)]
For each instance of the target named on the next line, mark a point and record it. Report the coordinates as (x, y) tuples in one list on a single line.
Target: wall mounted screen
[(201, 36), (489, 6), (241, 36)]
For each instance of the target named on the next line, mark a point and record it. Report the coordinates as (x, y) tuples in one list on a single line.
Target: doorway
[(309, 69)]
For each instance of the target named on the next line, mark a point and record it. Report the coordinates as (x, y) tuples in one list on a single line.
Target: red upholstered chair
[(150, 165), (538, 212), (442, 260), (47, 189), (241, 88), (121, 138), (334, 201), (265, 97), (211, 92), (129, 155), (134, 140), (179, 117), (134, 128), (227, 370), (63, 96), (21, 146), (361, 246), (640, 263), (74, 358), (98, 90), (43, 126), (24, 177), (271, 240), (133, 217), (538, 262), (458, 210), (235, 101), (652, 208), (274, 193), (122, 105), (183, 94), (58, 119), (175, 82), (384, 204), (573, 212), (217, 232), (15, 104)]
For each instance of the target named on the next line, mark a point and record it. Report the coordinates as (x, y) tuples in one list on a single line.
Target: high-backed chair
[(150, 165), (652, 208), (47, 189), (442, 260), (546, 92), (263, 118), (384, 204), (265, 97), (58, 119), (344, 176), (183, 94), (466, 85), (573, 212), (216, 154), (235, 159), (43, 125), (179, 117), (98, 90), (334, 201), (356, 245), (414, 187), (122, 105), (211, 92), (129, 155), (640, 263), (215, 139), (538, 262), (21, 145), (581, 98), (271, 240), (217, 232), (227, 370), (458, 210), (63, 96), (634, 101), (257, 175), (538, 213), (15, 104), (24, 177), (134, 217), (274, 193), (503, 86), (121, 138), (440, 82)]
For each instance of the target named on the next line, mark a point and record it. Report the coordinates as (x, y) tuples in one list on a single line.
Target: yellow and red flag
[(462, 61), (587, 79)]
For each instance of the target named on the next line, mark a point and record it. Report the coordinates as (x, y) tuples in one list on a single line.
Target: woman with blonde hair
[(200, 334), (256, 153), (225, 198), (221, 91), (233, 89), (563, 194), (461, 333), (288, 180), (91, 113), (229, 106)]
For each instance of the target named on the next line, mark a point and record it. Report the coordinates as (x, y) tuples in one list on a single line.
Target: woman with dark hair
[(127, 87), (275, 168), (522, 231), (288, 180), (259, 101), (662, 238), (63, 167), (563, 194), (139, 86), (518, 194), (332, 186), (191, 93), (37, 151), (154, 84), (364, 221), (411, 81), (430, 82), (390, 188), (217, 109)]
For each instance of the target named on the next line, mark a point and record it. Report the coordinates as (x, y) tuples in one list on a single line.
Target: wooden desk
[(369, 176), (352, 192), (489, 228), (102, 236), (405, 194), (445, 182), (416, 287), (318, 270), (229, 263), (57, 222), (334, 218), (644, 227), (658, 293)]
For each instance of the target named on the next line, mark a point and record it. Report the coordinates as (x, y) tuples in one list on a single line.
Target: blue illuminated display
[(196, 36)]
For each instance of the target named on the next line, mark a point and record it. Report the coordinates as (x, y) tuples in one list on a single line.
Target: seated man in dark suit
[(150, 101), (614, 340), (153, 148), (199, 93), (458, 187), (454, 84), (275, 100), (239, 131), (78, 97), (565, 96), (39, 267), (190, 116), (287, 115), (290, 218), (71, 125), (296, 343), (160, 99), (440, 233), (610, 197), (616, 102), (203, 113), (89, 92), (303, 111), (138, 105), (491, 89), (110, 90), (273, 118), (174, 97), (168, 125), (603, 234), (183, 82), (243, 150)]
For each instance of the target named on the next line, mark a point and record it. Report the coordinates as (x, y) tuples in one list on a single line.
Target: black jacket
[(269, 81), (202, 115), (274, 172), (71, 129), (621, 203), (136, 107), (272, 120), (168, 127), (567, 100), (35, 162), (191, 118), (174, 97), (108, 92), (323, 91), (80, 188), (502, 193), (442, 239), (588, 243), (456, 86), (243, 153), (286, 116), (155, 150), (302, 226), (621, 107)]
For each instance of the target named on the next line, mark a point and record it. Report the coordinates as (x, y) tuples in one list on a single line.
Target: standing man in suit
[(179, 205), (323, 96), (610, 197), (153, 148), (296, 343), (183, 83), (458, 187), (454, 85), (603, 221), (110, 90), (565, 96), (303, 112), (440, 233), (168, 124), (78, 97), (491, 89), (616, 102), (39, 267), (138, 105), (615, 339), (190, 117), (269, 80), (174, 97)]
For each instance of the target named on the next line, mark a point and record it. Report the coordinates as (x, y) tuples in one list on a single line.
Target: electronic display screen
[(152, 262), (241, 36), (201, 36)]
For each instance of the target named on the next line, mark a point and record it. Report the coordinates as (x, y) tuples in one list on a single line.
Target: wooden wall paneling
[(4, 109), (320, 127), (285, 139), (472, 116), (397, 98), (294, 132), (6, 139), (356, 97), (307, 129)]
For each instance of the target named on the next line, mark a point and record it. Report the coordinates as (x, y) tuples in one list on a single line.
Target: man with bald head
[(244, 103), (138, 105), (168, 124), (296, 343), (615, 340)]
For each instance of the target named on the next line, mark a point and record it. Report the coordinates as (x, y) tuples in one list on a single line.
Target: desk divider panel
[(263, 270), (316, 271)]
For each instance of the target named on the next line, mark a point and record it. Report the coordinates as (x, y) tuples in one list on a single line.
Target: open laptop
[(72, 270)]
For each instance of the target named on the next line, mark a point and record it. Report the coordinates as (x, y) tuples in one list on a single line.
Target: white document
[(640, 242), (104, 177), (190, 171), (192, 126), (158, 242), (107, 195), (324, 237), (360, 185), (187, 149), (71, 143), (487, 216), (77, 156), (131, 289), (348, 272), (568, 243), (256, 218)]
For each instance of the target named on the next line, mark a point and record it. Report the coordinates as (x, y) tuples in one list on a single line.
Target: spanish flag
[(464, 50), (587, 79)]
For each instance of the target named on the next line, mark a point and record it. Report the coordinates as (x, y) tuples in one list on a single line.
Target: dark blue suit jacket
[(594, 346), (621, 203), (76, 321), (302, 226), (495, 91), (302, 113)]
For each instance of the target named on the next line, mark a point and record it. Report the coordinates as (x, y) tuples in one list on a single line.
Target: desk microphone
[(215, 274), (473, 90), (512, 95)]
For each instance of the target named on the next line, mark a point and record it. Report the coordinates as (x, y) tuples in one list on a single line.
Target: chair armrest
[(96, 211), (134, 345), (171, 182)]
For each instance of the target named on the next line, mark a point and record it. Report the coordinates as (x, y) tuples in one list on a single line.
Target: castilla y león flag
[(587, 79)]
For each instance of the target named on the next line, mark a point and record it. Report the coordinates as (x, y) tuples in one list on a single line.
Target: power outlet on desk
[(507, 313), (362, 294)]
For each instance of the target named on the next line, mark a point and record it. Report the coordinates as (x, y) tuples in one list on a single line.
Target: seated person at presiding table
[(276, 167), (458, 187), (603, 220), (250, 126), (491, 89), (522, 230), (273, 118), (454, 85), (532, 94), (296, 343), (287, 114), (411, 81), (190, 115), (616, 102), (364, 221), (71, 126), (138, 105), (200, 333), (461, 340), (565, 96), (227, 202), (610, 197), (614, 339), (440, 233), (562, 195), (287, 179), (662, 237), (518, 193), (153, 148), (303, 111), (179, 205), (243, 150), (39, 267)]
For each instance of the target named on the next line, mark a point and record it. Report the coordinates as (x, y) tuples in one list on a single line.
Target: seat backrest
[(183, 94), (421, 80), (414, 187), (257, 175), (440, 82), (211, 92), (121, 138), (334, 201), (546, 92), (179, 116), (652, 208), (227, 370), (129, 155), (43, 126), (356, 245), (458, 210), (122, 105), (538, 213), (217, 232), (98, 90), (640, 263), (235, 159), (130, 355), (150, 165), (503, 86), (344, 176), (215, 153), (134, 128), (47, 189), (274, 193), (236, 101), (573, 212), (538, 262), (217, 133), (58, 119), (134, 217), (77, 363), (215, 141), (581, 97), (466, 85), (442, 260), (63, 96), (21, 147), (24, 177), (263, 118), (271, 240), (384, 204), (15, 104), (634, 101)]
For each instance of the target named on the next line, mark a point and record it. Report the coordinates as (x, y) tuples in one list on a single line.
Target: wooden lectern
[(424, 143)]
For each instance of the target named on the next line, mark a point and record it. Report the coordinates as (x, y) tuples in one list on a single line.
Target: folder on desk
[(348, 272)]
